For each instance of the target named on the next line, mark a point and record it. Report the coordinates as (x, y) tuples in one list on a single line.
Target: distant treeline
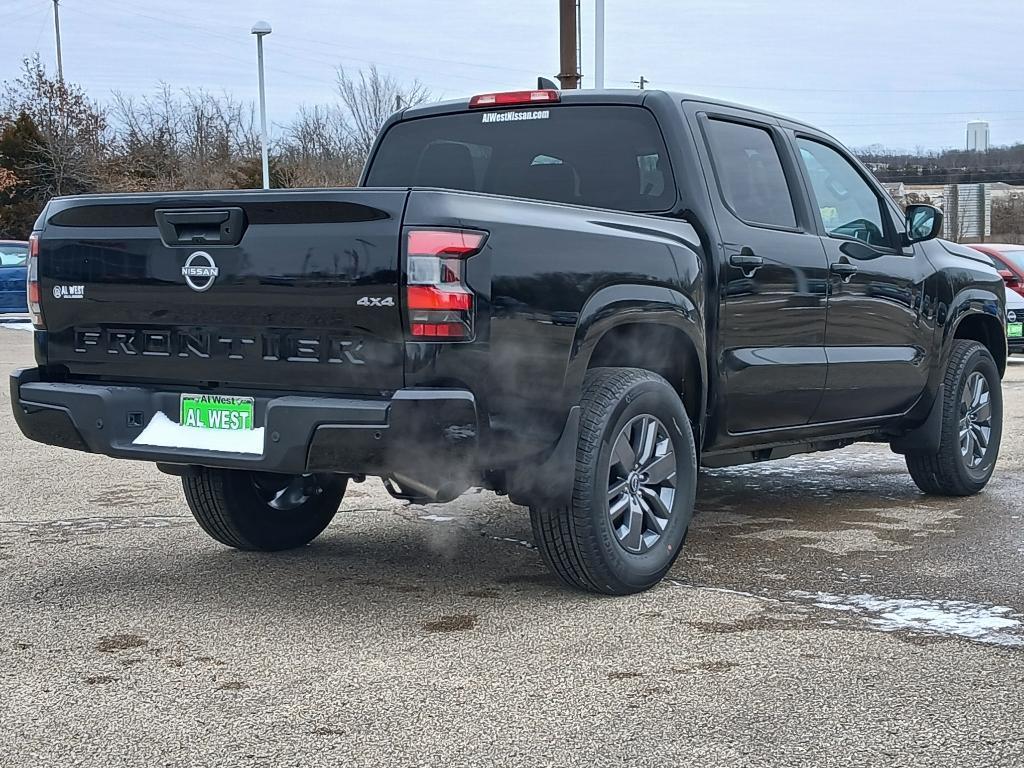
[(951, 166)]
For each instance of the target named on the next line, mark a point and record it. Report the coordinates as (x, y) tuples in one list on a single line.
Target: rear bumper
[(412, 430)]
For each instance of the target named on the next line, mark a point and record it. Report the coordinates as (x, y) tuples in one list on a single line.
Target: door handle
[(844, 270), (746, 261)]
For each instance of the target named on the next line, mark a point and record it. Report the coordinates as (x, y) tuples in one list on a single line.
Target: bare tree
[(317, 150), (370, 99), (72, 129), (190, 139)]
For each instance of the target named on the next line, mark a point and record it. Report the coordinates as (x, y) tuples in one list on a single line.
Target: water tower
[(977, 136)]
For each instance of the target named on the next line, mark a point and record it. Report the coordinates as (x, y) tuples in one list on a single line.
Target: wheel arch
[(650, 327), (977, 321)]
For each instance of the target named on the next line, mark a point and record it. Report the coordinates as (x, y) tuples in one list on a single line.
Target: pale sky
[(899, 73)]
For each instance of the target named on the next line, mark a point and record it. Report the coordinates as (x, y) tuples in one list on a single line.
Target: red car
[(1009, 260)]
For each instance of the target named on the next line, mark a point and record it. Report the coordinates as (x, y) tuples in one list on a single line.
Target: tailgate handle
[(202, 226)]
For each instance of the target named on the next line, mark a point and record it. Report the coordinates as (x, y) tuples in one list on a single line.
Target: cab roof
[(589, 96)]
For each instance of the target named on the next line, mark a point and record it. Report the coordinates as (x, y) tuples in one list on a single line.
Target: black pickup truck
[(574, 299)]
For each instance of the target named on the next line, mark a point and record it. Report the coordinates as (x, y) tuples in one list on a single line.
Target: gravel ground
[(822, 613)]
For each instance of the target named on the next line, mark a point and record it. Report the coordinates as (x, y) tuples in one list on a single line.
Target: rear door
[(294, 290), (775, 276), (878, 339)]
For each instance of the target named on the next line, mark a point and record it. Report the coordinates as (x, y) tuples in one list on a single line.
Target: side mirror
[(924, 222)]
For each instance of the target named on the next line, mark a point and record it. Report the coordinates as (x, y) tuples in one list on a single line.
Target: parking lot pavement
[(823, 613)]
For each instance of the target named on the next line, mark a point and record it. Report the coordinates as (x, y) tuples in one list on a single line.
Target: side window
[(847, 204), (750, 173)]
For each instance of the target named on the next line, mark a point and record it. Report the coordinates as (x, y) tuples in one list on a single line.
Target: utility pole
[(642, 82), (56, 29), (599, 45), (569, 75)]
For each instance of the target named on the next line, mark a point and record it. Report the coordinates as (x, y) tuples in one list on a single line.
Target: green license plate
[(1015, 329), (216, 412)]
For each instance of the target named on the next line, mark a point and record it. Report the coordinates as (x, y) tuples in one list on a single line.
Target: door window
[(750, 173), (847, 204)]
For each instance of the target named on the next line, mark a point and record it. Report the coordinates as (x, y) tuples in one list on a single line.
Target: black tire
[(258, 511), (581, 543), (951, 471)]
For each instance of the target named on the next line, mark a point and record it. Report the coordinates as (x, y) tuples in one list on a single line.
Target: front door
[(878, 335), (774, 278)]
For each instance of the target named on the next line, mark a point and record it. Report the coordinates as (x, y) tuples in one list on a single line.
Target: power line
[(789, 89), (301, 49)]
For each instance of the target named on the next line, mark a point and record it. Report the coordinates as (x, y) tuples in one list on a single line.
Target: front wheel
[(634, 490), (262, 511), (972, 426)]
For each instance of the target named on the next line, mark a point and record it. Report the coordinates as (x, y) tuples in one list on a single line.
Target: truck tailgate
[(279, 290)]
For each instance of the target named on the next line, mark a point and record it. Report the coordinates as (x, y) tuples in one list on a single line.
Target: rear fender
[(620, 305)]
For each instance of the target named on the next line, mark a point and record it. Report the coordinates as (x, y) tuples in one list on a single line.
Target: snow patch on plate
[(161, 432), (995, 624), (17, 326)]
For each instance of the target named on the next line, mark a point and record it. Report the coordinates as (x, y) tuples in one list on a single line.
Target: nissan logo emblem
[(1011, 316), (200, 271)]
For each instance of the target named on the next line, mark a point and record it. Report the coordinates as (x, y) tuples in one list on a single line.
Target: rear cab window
[(610, 156)]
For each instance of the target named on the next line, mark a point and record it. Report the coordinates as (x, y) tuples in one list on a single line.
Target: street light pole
[(599, 45), (261, 29)]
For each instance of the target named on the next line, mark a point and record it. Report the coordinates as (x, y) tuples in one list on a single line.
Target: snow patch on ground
[(437, 518), (161, 432), (995, 624)]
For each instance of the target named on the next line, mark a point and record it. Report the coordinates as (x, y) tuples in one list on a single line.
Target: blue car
[(13, 268)]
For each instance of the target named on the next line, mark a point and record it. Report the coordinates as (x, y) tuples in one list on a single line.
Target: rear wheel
[(262, 511), (634, 487), (972, 426)]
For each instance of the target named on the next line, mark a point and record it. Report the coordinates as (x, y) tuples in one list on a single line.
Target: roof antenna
[(543, 84)]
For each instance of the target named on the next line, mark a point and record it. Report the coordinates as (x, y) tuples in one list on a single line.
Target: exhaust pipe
[(413, 489)]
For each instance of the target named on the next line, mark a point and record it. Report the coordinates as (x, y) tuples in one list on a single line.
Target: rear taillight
[(32, 281), (439, 303)]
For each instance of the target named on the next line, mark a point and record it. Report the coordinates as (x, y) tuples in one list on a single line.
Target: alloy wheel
[(975, 420), (641, 483)]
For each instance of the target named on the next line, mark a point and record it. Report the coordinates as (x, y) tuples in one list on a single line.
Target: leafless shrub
[(316, 150), (191, 139), (370, 98), (1008, 218)]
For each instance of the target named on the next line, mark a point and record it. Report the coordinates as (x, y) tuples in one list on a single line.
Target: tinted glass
[(750, 173), (13, 255), (607, 157), (847, 204)]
